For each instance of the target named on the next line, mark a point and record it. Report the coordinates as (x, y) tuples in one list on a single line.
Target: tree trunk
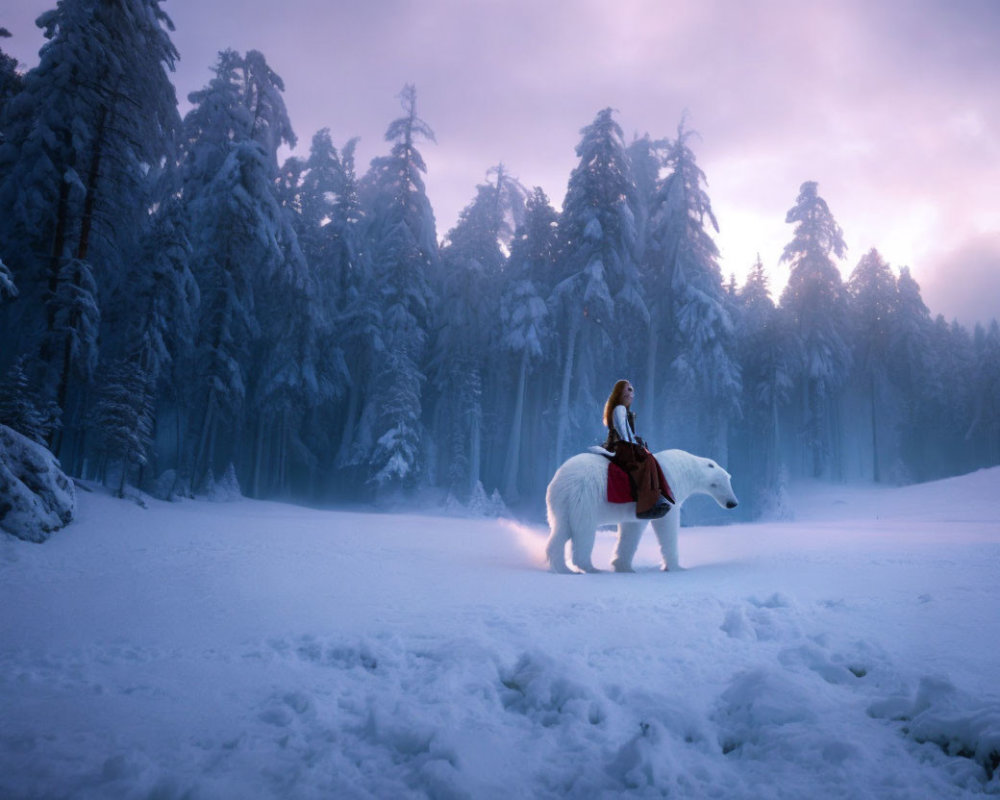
[(562, 424), (514, 442), (201, 461), (350, 423), (773, 470), (876, 467), (90, 199), (475, 446), (121, 483), (258, 456), (283, 453), (82, 248), (55, 265), (649, 390), (45, 355)]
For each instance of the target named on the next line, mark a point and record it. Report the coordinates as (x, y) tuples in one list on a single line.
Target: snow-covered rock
[(36, 497)]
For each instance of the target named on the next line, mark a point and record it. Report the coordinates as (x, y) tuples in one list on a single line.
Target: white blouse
[(620, 419)]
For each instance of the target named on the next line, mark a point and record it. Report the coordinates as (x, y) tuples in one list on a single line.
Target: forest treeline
[(177, 304)]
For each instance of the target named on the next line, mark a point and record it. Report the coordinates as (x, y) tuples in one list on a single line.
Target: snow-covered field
[(249, 649)]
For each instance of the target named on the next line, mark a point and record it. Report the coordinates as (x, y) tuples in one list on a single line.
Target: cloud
[(965, 282), (890, 106)]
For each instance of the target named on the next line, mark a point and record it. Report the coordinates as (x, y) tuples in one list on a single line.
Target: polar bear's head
[(718, 484)]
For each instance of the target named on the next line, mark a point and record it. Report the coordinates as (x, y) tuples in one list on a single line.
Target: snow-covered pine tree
[(765, 366), (297, 365), (467, 310), (524, 319), (240, 235), (647, 158), (815, 299), (984, 430), (682, 269), (871, 292), (21, 407), (597, 306), (359, 324), (159, 301), (937, 445), (910, 359), (311, 373), (318, 188), (93, 116), (911, 334), (400, 233), (11, 82), (123, 418)]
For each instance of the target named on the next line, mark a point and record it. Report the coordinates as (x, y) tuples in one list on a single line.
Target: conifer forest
[(180, 306)]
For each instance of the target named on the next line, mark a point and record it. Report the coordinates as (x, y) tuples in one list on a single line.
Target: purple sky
[(891, 105)]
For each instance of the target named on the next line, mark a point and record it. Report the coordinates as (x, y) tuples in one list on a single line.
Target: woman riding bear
[(632, 455)]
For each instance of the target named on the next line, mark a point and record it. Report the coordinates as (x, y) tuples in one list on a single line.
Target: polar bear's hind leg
[(582, 544), (555, 549)]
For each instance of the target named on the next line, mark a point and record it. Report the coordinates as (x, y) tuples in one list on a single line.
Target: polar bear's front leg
[(666, 529), (629, 534)]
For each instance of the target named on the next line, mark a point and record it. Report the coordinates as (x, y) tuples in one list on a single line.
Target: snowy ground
[(244, 650)]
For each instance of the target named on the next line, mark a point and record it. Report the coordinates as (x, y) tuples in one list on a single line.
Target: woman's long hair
[(614, 399)]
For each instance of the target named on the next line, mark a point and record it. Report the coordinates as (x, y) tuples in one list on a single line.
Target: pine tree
[(871, 290), (524, 318), (402, 238), (597, 300), (984, 429), (22, 409), (91, 119), (647, 159), (469, 294), (11, 82), (360, 323), (761, 336), (123, 417), (312, 373), (683, 273), (241, 239), (159, 300), (815, 299), (910, 364)]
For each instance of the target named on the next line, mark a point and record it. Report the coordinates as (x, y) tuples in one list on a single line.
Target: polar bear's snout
[(732, 503)]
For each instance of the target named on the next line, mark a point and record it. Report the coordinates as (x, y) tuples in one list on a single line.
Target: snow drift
[(259, 650), (36, 497)]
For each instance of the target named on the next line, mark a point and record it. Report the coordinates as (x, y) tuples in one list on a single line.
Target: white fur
[(577, 504)]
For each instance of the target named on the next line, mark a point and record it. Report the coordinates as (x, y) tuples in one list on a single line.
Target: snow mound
[(36, 498), (960, 725)]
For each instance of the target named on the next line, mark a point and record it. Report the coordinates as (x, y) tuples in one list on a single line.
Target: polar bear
[(576, 502)]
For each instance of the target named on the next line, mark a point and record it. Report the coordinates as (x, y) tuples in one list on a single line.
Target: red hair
[(614, 399)]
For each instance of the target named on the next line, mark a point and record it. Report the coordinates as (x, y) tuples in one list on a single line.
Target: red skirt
[(644, 475)]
